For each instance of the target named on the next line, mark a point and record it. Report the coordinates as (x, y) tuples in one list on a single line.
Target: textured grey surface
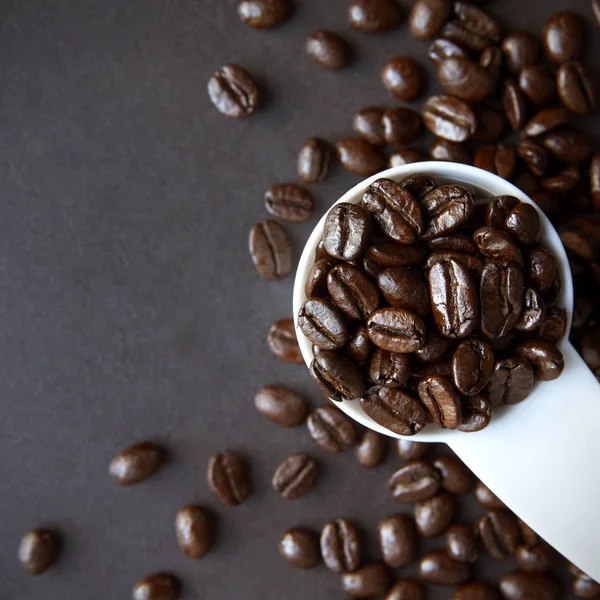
[(129, 308)]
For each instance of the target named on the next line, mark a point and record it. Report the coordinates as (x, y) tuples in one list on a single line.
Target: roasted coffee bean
[(498, 210), (474, 264), (289, 202), (359, 346), (581, 238), (299, 547), (527, 183), (456, 478), (535, 559), (568, 145), (340, 547), (563, 36), (472, 365), (418, 185), (233, 92), (391, 254), (436, 346), (442, 368), (403, 77), (490, 124), (471, 28), (372, 449), (453, 298), (400, 125), (541, 268), (575, 88), (448, 207), (521, 50), (476, 591), (409, 450), (396, 330), (346, 230), (438, 568), (314, 160), (500, 160), (406, 288), (316, 280), (295, 476), (415, 482), (546, 358), (441, 400), (352, 291), (511, 381), (462, 543), (38, 550), (497, 245), (465, 79), (492, 60), (389, 369), (500, 533), (338, 377), (477, 413), (501, 295), (282, 341), (487, 498), (584, 587), (537, 84), (534, 311), (359, 157), (330, 429), (441, 149), (427, 18), (397, 536), (519, 585), (320, 251), (323, 324), (405, 156), (264, 14), (270, 250), (546, 120), (554, 326), (534, 155), (228, 478), (158, 586), (453, 242), (136, 463), (194, 531), (523, 223), (441, 49), (327, 49), (395, 410), (368, 581), (367, 124), (281, 405), (449, 118), (373, 16), (406, 589)]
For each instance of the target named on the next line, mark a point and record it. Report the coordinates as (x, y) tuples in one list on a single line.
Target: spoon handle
[(542, 460)]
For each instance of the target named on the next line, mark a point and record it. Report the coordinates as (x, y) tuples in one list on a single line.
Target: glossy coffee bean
[(436, 346), (367, 581), (535, 559), (397, 537), (299, 547), (580, 238), (359, 157), (360, 346), (511, 381), (497, 245), (465, 79), (414, 482), (441, 400), (568, 145), (289, 202), (441, 49), (476, 591), (554, 326), (282, 341), (391, 254), (136, 463), (406, 288), (487, 498), (499, 160), (515, 104), (327, 49), (372, 449), (448, 207), (228, 478), (473, 264), (534, 311), (537, 83), (491, 124), (347, 227), (264, 14), (295, 476), (500, 533), (408, 450), (456, 477), (462, 543), (233, 92), (523, 224), (519, 585), (194, 531), (438, 568), (441, 149), (471, 28), (521, 50), (38, 550), (563, 36), (374, 16), (316, 280), (340, 547), (389, 369), (158, 586), (314, 160), (403, 77), (546, 120), (400, 125), (323, 324), (330, 429), (427, 17), (472, 365), (281, 405), (477, 413), (405, 156), (492, 61), (584, 587), (270, 250), (337, 376), (406, 589), (565, 181), (352, 291), (541, 268), (396, 330), (534, 155), (546, 358), (449, 118), (367, 124), (575, 88)]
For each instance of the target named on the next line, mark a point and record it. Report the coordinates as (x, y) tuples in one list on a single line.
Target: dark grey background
[(129, 308)]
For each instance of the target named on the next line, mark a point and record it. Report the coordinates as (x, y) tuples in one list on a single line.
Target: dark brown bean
[(462, 543), (498, 209), (575, 88), (395, 410), (396, 330), (397, 536), (38, 550), (472, 365), (352, 291), (136, 463), (511, 381), (546, 358), (535, 559), (158, 586), (487, 498), (500, 533), (519, 585), (389, 369), (541, 268), (194, 531), (436, 346), (327, 49), (264, 14), (477, 413), (515, 104), (402, 76), (537, 84), (449, 118), (584, 587), (414, 482), (299, 547), (338, 377), (546, 120), (441, 49), (347, 227), (371, 449), (456, 477), (391, 254), (448, 207), (554, 327), (500, 160), (563, 36), (401, 125), (521, 50), (441, 400), (406, 589), (409, 450), (359, 157), (534, 311), (270, 250), (581, 238), (534, 155), (476, 591), (568, 145), (360, 346), (492, 60), (289, 202), (366, 582), (497, 245), (438, 568), (295, 476), (405, 156), (441, 149), (523, 223), (233, 92), (340, 547), (330, 429), (471, 28), (314, 160), (465, 79), (316, 280), (406, 288), (427, 18), (281, 405), (323, 324), (282, 341), (228, 478), (490, 124), (367, 124)]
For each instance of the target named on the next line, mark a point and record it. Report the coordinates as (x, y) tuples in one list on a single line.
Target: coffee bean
[(366, 582), (581, 238), (449, 118), (537, 84), (396, 330), (441, 149), (406, 589), (418, 185), (352, 291), (38, 550), (323, 324), (546, 358), (295, 476), (491, 61), (391, 254), (472, 365), (389, 369), (360, 346), (374, 16), (546, 202), (228, 478), (456, 478), (534, 155), (465, 79), (327, 49), (564, 182), (316, 280), (233, 92), (338, 377), (436, 346), (264, 14), (521, 50), (500, 533), (471, 28), (511, 381), (427, 18), (474, 264), (527, 183), (497, 245), (372, 449), (438, 568), (405, 156), (490, 124), (534, 311), (367, 124), (136, 463), (158, 586), (403, 77), (575, 88), (554, 327), (406, 288), (289, 202), (453, 298), (499, 160), (397, 536), (346, 230), (282, 341), (584, 587), (299, 547), (546, 120), (563, 36), (281, 405), (194, 531), (535, 559), (400, 125), (270, 250), (519, 585), (359, 157), (395, 410), (515, 104), (477, 413), (476, 591), (448, 207), (330, 429), (443, 368), (441, 49), (461, 543), (541, 268), (415, 482), (568, 145), (441, 400), (314, 160), (409, 450), (487, 498), (340, 547)]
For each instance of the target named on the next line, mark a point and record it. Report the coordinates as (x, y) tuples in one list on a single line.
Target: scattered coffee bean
[(535, 559), (500, 160), (38, 550), (487, 498), (374, 16), (546, 120), (327, 49), (228, 478), (449, 118), (136, 463), (580, 238), (568, 145), (490, 124), (314, 160), (584, 587), (282, 341), (500, 533), (438, 568), (511, 381), (403, 77), (295, 476), (359, 157), (515, 104), (471, 28), (340, 547), (575, 87), (352, 291), (477, 413), (462, 543), (400, 125), (367, 124), (406, 589), (233, 92), (367, 581), (299, 547), (405, 156), (596, 10), (476, 591), (371, 449), (289, 202), (441, 49), (409, 450), (389, 369), (338, 377), (415, 482), (331, 429), (563, 36), (264, 14), (316, 281), (465, 79), (158, 586), (441, 149), (534, 155), (323, 324), (427, 18), (270, 250), (519, 585), (546, 358), (521, 50), (456, 478), (434, 516), (397, 537), (194, 531), (537, 84)]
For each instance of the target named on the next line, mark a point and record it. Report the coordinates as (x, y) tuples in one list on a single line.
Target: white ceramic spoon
[(540, 456)]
